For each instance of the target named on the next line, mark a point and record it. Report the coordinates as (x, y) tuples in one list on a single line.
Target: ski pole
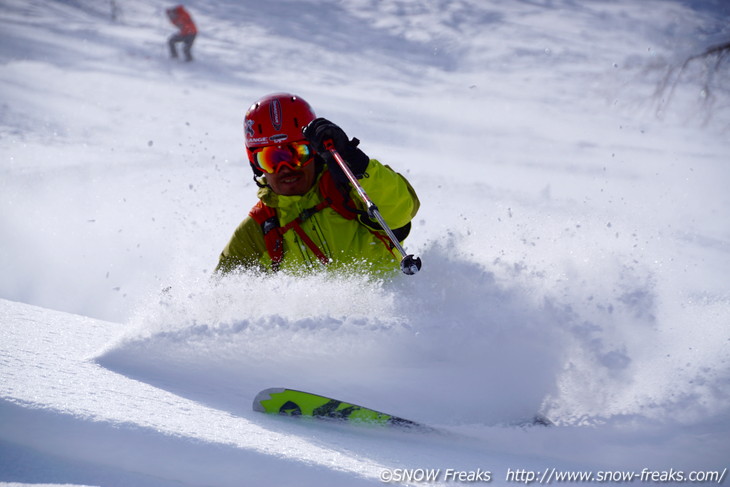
[(408, 264)]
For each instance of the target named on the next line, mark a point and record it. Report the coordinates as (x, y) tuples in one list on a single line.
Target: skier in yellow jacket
[(307, 216)]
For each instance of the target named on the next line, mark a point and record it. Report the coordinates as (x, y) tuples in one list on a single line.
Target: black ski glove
[(319, 131)]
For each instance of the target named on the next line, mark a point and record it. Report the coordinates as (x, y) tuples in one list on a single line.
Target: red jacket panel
[(182, 20)]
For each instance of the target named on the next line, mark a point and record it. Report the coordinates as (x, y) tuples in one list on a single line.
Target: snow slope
[(573, 230)]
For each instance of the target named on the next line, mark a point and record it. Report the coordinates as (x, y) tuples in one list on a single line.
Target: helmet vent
[(296, 122)]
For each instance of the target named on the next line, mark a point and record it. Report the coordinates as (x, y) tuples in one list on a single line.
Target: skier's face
[(290, 182)]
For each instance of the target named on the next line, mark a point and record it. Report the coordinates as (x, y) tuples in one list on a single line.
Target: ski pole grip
[(330, 146)]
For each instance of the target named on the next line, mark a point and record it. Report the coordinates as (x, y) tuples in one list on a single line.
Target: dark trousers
[(187, 45)]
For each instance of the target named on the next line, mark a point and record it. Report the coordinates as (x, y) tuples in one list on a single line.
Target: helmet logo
[(278, 138), (249, 128), (275, 114)]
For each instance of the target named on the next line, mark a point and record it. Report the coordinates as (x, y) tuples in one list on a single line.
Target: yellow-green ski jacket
[(346, 243)]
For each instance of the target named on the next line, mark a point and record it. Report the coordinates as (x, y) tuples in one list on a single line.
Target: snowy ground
[(573, 229)]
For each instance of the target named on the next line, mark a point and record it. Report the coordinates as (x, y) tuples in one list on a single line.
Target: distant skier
[(308, 215), (182, 20)]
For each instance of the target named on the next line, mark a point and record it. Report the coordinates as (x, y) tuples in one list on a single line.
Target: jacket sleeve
[(390, 192), (244, 249)]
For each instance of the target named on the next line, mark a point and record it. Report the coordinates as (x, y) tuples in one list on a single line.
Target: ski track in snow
[(573, 230)]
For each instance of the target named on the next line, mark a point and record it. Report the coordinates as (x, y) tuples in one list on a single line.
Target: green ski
[(291, 402)]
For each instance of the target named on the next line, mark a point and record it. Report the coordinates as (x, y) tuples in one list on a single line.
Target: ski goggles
[(271, 158)]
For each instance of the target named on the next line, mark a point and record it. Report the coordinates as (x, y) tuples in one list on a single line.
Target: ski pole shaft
[(408, 264)]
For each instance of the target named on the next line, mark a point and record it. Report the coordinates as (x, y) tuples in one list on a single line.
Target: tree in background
[(705, 68)]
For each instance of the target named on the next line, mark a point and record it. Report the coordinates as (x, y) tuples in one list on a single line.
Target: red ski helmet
[(275, 119)]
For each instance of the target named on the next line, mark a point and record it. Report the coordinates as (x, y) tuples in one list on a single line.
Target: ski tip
[(404, 423), (536, 420), (541, 420), (408, 425), (265, 395)]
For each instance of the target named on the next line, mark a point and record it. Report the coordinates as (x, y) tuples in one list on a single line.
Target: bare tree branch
[(712, 59)]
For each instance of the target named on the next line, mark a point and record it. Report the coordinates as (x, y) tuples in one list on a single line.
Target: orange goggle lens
[(271, 158)]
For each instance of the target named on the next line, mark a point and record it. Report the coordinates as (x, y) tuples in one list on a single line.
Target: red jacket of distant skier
[(182, 20)]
